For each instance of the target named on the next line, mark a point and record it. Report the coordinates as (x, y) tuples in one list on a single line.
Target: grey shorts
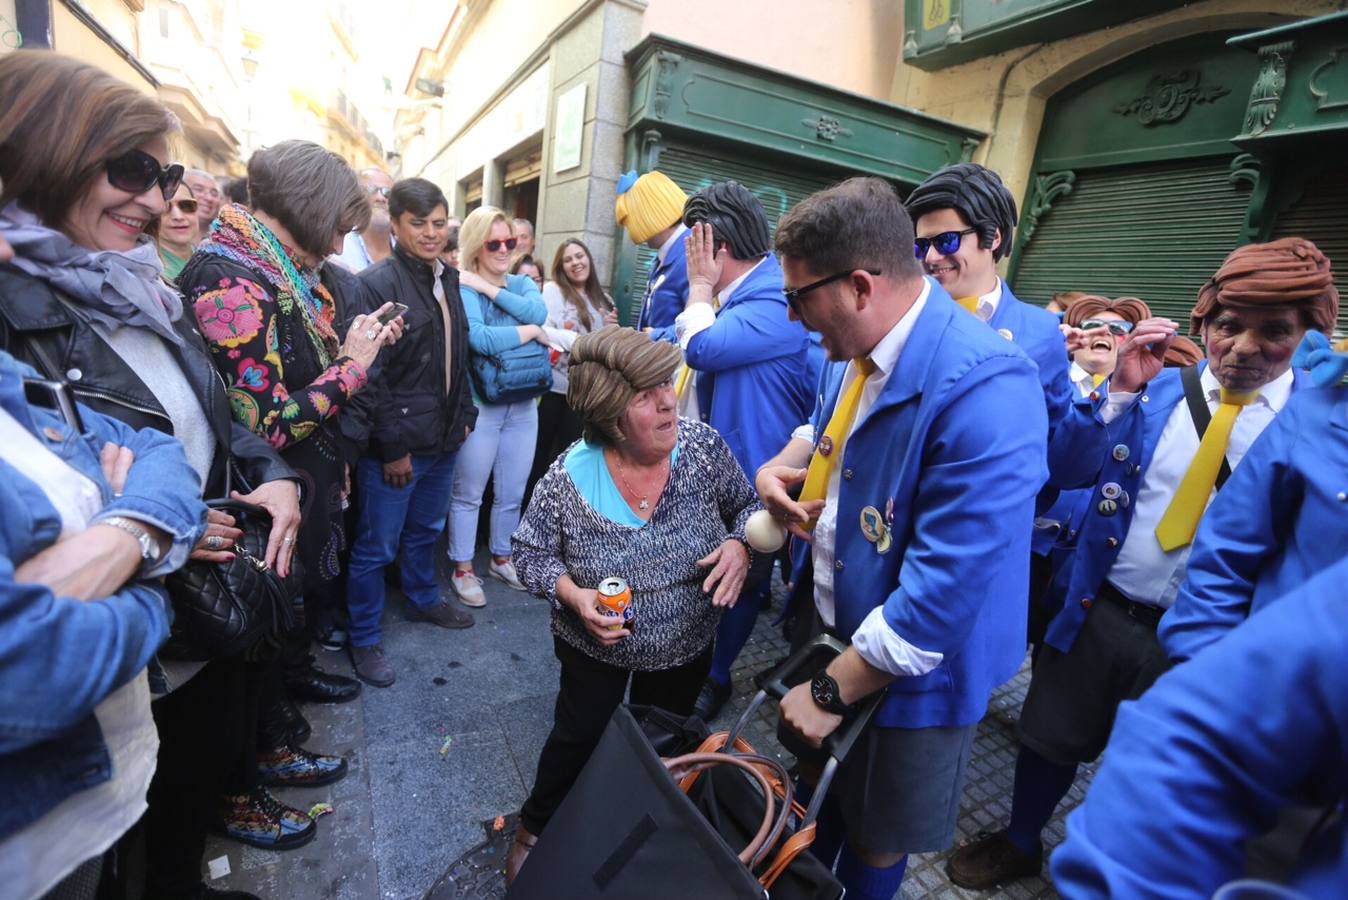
[(900, 788)]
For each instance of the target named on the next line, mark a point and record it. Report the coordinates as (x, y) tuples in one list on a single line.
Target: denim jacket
[(59, 658)]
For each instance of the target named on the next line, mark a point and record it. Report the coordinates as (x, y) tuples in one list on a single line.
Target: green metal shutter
[(1157, 232), (1321, 215), (692, 170)]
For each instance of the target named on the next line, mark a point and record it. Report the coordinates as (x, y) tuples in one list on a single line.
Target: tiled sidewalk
[(454, 743)]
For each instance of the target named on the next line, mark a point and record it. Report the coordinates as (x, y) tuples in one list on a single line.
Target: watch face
[(823, 691)]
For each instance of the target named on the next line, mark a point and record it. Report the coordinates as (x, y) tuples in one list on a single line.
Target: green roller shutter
[(1321, 215), (1157, 232), (693, 170)]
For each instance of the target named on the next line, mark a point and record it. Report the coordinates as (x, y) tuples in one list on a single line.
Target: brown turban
[(607, 369), (1286, 272), (1130, 308), (1182, 352)]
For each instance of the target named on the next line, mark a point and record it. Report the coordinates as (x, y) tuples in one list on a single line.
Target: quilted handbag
[(221, 609)]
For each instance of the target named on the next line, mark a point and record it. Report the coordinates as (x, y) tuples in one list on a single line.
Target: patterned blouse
[(707, 500), (241, 321)]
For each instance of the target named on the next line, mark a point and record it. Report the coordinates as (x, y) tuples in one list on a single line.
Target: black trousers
[(590, 692), (558, 428), (207, 739)]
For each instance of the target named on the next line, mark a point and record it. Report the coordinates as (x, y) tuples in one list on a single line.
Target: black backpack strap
[(1199, 412)]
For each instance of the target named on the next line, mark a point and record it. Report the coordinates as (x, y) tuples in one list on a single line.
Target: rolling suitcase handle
[(837, 745)]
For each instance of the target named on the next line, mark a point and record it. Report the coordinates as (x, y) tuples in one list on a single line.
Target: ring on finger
[(214, 542), (371, 334), (289, 540)]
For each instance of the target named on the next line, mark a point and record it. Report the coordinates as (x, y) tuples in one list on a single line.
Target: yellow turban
[(648, 205)]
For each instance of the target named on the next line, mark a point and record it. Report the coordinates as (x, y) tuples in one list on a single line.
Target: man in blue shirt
[(650, 207), (920, 493), (747, 368)]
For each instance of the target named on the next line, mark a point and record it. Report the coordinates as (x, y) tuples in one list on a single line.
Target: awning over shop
[(679, 90)]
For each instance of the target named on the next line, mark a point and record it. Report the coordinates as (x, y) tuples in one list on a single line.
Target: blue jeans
[(501, 445), (414, 515)]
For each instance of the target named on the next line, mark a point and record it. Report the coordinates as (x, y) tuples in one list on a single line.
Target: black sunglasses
[(493, 246), (946, 243), (793, 296), (136, 171), (1115, 328)]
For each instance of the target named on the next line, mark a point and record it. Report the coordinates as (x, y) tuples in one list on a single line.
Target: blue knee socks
[(1039, 788), (865, 882), (737, 623), (829, 831)]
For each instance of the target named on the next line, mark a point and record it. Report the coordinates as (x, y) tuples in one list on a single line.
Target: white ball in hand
[(765, 534)]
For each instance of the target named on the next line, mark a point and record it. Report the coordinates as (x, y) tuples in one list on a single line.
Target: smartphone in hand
[(397, 310)]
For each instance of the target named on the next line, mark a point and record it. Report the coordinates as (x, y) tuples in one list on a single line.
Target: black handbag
[(220, 609)]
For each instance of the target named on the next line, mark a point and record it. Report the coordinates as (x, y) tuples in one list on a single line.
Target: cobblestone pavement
[(454, 743)]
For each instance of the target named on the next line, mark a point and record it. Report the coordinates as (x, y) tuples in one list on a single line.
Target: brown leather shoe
[(991, 859), (519, 852), (444, 614)]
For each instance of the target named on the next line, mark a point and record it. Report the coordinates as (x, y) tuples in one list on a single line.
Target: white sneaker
[(468, 587), (505, 572)]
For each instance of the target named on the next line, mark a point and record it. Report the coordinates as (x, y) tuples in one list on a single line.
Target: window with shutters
[(1321, 215), (1157, 232)]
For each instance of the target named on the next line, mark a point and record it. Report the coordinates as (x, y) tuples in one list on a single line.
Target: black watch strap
[(826, 694)]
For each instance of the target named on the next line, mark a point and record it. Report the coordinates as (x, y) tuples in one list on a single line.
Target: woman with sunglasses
[(176, 233), (510, 369), (84, 166)]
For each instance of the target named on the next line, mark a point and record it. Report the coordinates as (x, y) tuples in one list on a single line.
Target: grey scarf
[(110, 288)]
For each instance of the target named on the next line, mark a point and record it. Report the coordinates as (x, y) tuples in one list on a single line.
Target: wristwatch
[(825, 693), (149, 547)]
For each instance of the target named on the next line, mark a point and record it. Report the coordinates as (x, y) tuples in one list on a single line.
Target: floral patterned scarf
[(238, 236)]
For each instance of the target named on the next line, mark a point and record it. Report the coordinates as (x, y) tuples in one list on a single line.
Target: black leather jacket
[(412, 411), (38, 328)]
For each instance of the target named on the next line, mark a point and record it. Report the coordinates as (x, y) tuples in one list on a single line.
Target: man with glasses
[(1096, 326), (1173, 435), (362, 249), (206, 191), (919, 493)]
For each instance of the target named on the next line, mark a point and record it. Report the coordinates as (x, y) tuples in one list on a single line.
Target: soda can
[(615, 599)]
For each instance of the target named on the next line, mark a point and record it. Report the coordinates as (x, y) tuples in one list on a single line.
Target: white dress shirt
[(695, 319), (1082, 380), (877, 643), (987, 304), (1144, 572)]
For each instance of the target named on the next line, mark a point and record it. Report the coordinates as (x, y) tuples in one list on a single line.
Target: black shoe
[(989, 860), (318, 686), (283, 723), (333, 638), (710, 699)]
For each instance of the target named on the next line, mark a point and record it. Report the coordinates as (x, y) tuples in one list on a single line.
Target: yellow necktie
[(829, 448), (969, 304), (685, 374), (1176, 528), (1097, 380)]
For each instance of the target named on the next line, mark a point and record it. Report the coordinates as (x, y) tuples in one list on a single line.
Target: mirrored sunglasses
[(493, 246), (1118, 329), (375, 189), (137, 171), (946, 243), (188, 206)]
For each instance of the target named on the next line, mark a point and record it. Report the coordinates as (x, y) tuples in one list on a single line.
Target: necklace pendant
[(644, 504)]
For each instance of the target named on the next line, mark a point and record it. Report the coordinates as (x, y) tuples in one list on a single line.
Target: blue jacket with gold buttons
[(1119, 453), (951, 454), (1281, 519)]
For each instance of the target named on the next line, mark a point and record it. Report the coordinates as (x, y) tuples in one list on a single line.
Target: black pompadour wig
[(977, 194), (735, 215)]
